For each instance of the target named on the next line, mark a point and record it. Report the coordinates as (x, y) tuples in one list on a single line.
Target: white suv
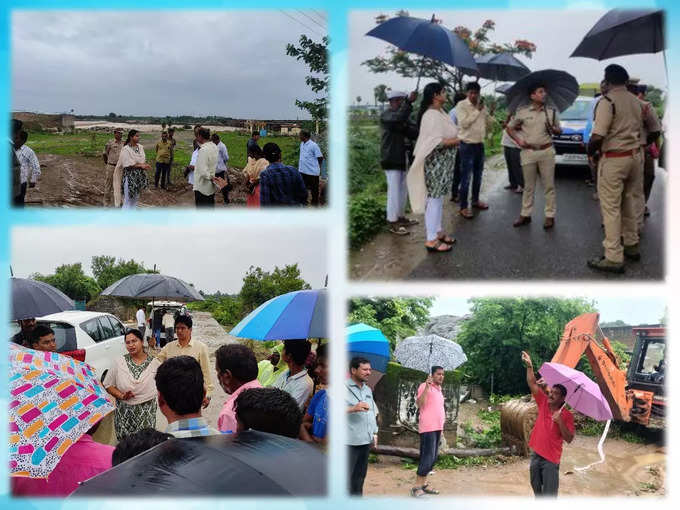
[(93, 337)]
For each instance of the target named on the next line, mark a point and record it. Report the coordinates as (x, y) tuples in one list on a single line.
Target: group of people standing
[(449, 154), (268, 181), (177, 380), (554, 425)]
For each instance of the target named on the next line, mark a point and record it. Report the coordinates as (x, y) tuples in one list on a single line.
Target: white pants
[(128, 201), (396, 194), (433, 217)]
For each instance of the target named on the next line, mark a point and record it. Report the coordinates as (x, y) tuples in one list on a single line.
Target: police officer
[(615, 142), (110, 156), (649, 134), (537, 124)]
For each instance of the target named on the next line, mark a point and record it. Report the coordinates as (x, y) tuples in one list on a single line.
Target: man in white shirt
[(30, 166), (310, 164), (295, 380), (222, 169), (141, 320), (204, 173)]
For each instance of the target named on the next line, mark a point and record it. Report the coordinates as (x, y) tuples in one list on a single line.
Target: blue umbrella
[(370, 343), (426, 38), (299, 314)]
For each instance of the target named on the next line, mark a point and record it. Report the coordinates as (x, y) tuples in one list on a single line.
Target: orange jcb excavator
[(636, 396)]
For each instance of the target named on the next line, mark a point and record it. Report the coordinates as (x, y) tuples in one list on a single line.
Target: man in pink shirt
[(430, 403), (236, 368), (83, 460)]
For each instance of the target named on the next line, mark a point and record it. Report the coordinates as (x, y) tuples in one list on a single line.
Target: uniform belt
[(540, 147), (624, 154)]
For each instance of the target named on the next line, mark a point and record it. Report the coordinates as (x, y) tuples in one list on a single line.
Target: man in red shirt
[(554, 424)]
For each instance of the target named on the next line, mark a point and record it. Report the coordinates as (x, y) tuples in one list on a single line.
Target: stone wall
[(46, 122), (124, 309)]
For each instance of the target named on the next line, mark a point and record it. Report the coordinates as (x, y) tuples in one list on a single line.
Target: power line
[(313, 20), (301, 23)]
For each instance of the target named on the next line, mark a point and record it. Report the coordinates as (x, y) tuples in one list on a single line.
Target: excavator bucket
[(517, 419)]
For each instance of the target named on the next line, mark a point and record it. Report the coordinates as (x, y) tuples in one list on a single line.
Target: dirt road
[(77, 181), (629, 470)]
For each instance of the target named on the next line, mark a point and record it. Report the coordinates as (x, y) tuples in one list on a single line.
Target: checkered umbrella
[(54, 401)]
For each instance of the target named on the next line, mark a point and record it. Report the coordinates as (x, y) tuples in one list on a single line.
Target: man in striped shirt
[(179, 382)]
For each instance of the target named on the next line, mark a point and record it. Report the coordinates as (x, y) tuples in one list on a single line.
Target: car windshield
[(580, 110)]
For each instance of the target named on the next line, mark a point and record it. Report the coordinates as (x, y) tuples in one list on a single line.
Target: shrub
[(366, 218)]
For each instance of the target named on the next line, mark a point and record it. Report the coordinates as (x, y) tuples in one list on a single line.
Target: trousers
[(397, 192), (544, 476), (358, 467)]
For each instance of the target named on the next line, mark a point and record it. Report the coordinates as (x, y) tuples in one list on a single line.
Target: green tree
[(72, 281), (501, 328), (411, 65), (112, 115), (397, 318), (260, 286), (613, 324), (108, 270), (315, 55), (380, 94)]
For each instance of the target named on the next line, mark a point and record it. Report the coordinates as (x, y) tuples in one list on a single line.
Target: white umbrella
[(423, 352)]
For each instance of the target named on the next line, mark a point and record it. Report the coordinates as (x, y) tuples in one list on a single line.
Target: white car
[(93, 337)]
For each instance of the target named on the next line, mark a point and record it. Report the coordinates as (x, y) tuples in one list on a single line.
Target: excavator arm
[(579, 338)]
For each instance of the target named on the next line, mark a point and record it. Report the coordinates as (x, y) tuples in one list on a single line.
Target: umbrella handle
[(420, 71)]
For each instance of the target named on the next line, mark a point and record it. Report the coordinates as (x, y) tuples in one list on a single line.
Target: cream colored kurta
[(435, 126), (143, 389), (128, 157), (254, 167), (197, 350)]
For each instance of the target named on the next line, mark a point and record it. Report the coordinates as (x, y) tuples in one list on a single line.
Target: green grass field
[(91, 144)]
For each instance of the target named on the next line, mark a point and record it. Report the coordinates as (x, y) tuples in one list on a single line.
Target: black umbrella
[(152, 286), (32, 298), (247, 464), (427, 38), (562, 89), (499, 67), (624, 32)]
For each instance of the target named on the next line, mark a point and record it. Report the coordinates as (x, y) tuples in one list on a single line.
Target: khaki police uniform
[(112, 152), (618, 119), (650, 124), (538, 160)]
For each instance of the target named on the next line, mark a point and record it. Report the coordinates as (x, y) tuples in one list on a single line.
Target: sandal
[(437, 246), (466, 213), (417, 492), (429, 491), (398, 230), (446, 239), (407, 221)]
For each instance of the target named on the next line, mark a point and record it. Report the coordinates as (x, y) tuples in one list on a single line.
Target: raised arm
[(422, 399), (531, 378)]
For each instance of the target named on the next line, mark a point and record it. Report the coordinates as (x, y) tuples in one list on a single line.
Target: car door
[(95, 353), (116, 334)]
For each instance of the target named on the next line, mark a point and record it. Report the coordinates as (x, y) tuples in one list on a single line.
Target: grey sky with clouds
[(555, 32), (227, 63), (212, 259)]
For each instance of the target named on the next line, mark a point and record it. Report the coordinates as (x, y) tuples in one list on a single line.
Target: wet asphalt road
[(488, 247)]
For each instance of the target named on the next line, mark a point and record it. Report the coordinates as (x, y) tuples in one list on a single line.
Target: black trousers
[(648, 174), (204, 200), (358, 466), (225, 190), (429, 451), (312, 184), (544, 475), (162, 174), (18, 201), (514, 164), (456, 175)]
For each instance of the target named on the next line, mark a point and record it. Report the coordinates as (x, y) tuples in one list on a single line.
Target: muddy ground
[(629, 469), (77, 181)]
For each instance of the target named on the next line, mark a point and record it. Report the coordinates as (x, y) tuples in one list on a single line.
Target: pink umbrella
[(583, 394)]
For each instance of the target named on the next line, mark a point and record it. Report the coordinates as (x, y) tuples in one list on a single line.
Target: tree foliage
[(501, 328), (72, 281), (410, 65), (108, 270), (380, 93), (397, 318), (260, 286), (315, 55)]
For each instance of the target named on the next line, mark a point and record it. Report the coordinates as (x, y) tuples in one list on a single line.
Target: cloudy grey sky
[(631, 310), (230, 63), (212, 259), (556, 33)]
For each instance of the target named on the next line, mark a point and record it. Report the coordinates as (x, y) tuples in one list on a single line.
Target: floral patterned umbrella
[(54, 401), (424, 352)]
